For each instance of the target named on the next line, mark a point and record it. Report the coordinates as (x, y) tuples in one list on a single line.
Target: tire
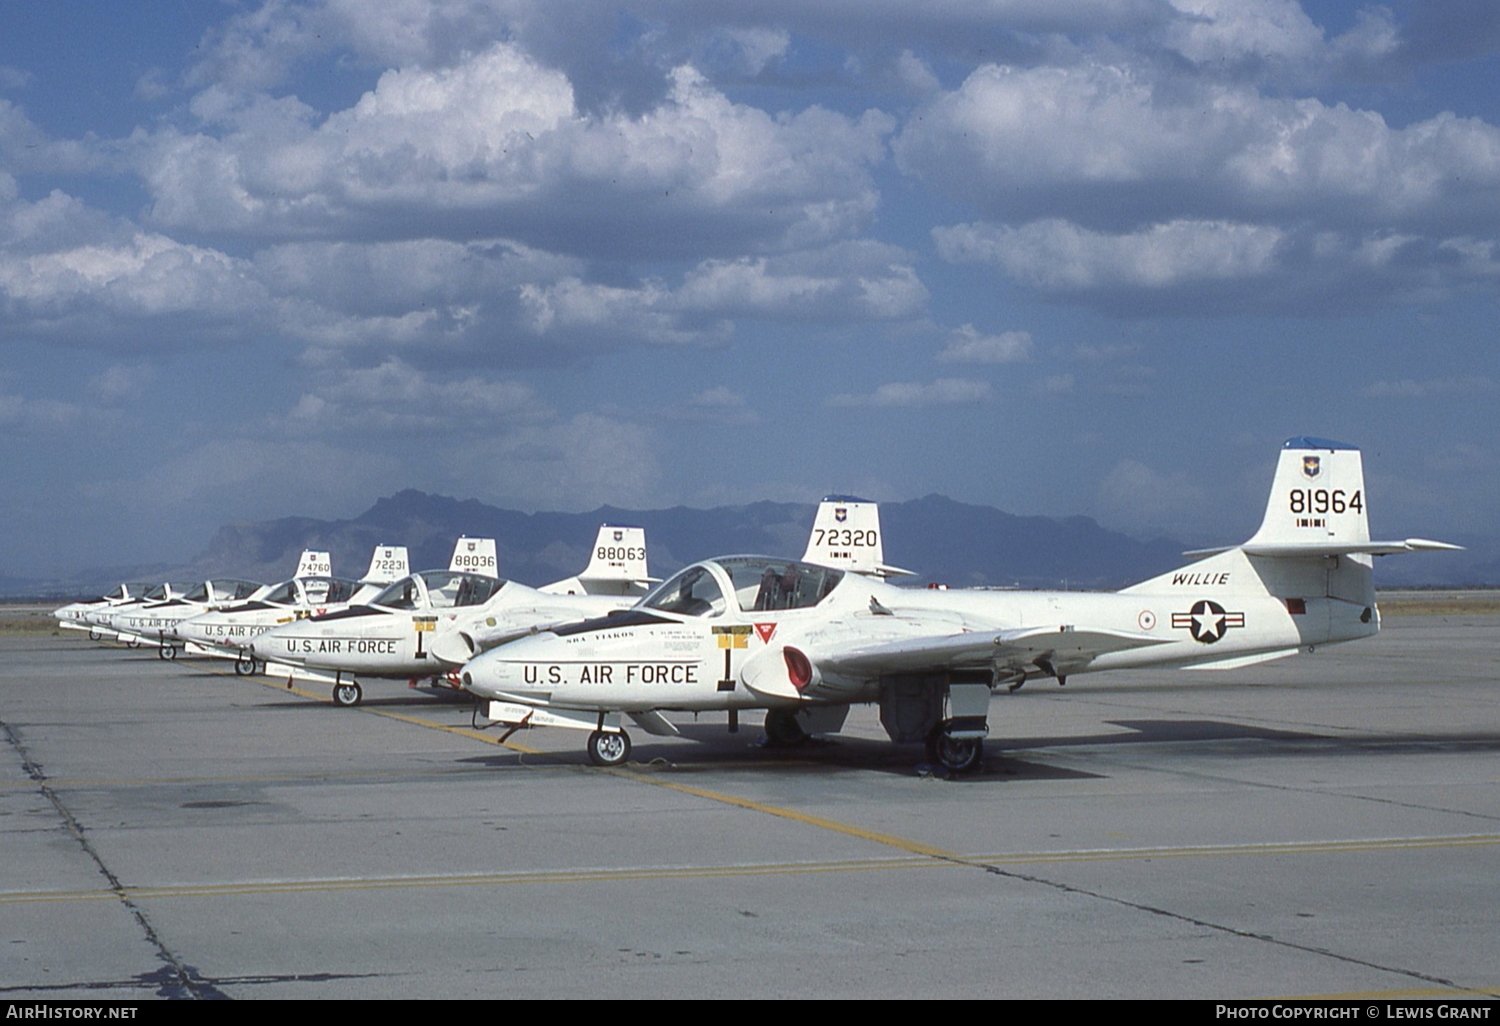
[(244, 665), (609, 748), (132, 642), (348, 695), (94, 635), (955, 754), (166, 652), (782, 728)]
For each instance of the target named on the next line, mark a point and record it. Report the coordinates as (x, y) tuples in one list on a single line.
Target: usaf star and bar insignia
[(1207, 621)]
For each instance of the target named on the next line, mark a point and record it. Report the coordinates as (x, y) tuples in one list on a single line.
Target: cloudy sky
[(1058, 256)]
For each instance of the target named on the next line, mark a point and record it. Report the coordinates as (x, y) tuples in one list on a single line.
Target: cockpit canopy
[(759, 584), (170, 590), (438, 589), (312, 591)]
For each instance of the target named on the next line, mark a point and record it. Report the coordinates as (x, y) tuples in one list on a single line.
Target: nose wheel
[(348, 694), (609, 747), (245, 664)]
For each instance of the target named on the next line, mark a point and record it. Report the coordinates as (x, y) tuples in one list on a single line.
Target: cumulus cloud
[(942, 392), (121, 383), (967, 344), (1110, 144), (1058, 256), (496, 142), (715, 406), (397, 397), (22, 414), (1221, 266), (68, 271), (1275, 37), (856, 280)]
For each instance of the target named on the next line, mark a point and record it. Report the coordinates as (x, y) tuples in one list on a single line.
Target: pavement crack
[(1220, 927), (173, 979)]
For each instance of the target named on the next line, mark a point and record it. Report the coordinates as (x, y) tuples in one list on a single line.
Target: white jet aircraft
[(804, 642), (227, 633), (153, 623), (74, 615), (427, 625)]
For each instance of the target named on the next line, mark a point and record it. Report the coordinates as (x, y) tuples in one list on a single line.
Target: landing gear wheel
[(782, 728), (244, 665), (955, 754), (95, 635), (132, 642), (609, 747), (348, 695), (166, 652)]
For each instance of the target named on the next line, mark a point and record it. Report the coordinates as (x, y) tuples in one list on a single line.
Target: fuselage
[(231, 630), (406, 630), (157, 621), (698, 651)]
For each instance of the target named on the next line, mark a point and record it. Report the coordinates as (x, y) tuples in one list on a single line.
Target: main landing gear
[(245, 664), (348, 694), (166, 652), (609, 747), (782, 728), (954, 754)]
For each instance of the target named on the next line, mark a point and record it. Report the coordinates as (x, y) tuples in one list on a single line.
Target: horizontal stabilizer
[(1291, 550), (1239, 662), (1373, 548)]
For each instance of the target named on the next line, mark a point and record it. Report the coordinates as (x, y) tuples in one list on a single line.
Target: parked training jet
[(227, 633), (153, 623), (804, 641), (426, 625), (74, 615)]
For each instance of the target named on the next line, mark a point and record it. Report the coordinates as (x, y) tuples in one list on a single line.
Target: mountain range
[(942, 540)]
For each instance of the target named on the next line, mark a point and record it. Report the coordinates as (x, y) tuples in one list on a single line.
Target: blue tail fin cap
[(1306, 442)]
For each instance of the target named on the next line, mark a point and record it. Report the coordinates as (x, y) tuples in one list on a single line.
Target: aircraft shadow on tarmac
[(717, 750)]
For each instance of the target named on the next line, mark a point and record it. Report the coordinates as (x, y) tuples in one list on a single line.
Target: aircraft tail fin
[(387, 564), (1313, 542), (1318, 507), (617, 565), (846, 536), (476, 556), (314, 564)]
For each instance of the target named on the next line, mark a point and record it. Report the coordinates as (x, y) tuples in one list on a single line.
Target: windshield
[(327, 591), (690, 592), (228, 589), (282, 594), (765, 585), (445, 589)]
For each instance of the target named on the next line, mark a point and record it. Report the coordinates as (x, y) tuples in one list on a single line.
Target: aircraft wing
[(826, 667), (1058, 645)]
